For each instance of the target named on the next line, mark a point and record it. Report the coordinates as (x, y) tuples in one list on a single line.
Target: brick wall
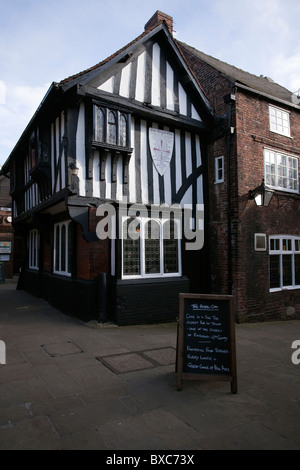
[(250, 269), (253, 300), (93, 257)]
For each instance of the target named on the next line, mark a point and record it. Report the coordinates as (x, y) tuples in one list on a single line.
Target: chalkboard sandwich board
[(206, 339)]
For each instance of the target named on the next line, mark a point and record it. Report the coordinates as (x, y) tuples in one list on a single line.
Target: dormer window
[(111, 127)]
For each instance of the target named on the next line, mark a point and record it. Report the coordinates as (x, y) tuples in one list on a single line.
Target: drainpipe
[(229, 100)]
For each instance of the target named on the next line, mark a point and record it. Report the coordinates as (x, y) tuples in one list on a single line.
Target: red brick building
[(254, 251), (160, 138)]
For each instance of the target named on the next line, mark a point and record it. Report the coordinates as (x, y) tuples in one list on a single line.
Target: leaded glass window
[(170, 243), (112, 128), (131, 248), (123, 132), (150, 248), (99, 124)]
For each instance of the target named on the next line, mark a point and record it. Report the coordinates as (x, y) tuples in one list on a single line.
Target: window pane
[(287, 278), (131, 248), (274, 271), (287, 244), (112, 128), (57, 249), (292, 173), (63, 248), (270, 168), (282, 171), (34, 249), (297, 270), (170, 247), (99, 125), (37, 248), (122, 132), (152, 247), (275, 244), (70, 247)]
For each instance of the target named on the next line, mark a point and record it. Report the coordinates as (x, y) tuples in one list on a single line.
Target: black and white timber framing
[(146, 86)]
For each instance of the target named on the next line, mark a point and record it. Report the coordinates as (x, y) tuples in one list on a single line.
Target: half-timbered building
[(135, 180), (108, 184)]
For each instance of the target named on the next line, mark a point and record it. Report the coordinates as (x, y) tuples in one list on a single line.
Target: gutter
[(266, 95)]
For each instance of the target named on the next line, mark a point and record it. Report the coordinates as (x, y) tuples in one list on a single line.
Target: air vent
[(260, 242)]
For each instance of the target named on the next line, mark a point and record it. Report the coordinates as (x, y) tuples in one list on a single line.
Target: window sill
[(62, 274), (111, 147), (283, 289), (283, 135), (151, 280)]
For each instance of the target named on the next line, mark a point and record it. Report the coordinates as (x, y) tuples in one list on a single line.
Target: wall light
[(262, 195)]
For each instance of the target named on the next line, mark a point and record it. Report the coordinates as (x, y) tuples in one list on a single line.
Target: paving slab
[(72, 385), (35, 433)]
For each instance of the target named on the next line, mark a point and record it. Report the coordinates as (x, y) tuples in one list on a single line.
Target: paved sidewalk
[(71, 385)]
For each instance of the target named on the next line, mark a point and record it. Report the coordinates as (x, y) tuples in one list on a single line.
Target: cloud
[(25, 99), (48, 41), (257, 36), (287, 70)]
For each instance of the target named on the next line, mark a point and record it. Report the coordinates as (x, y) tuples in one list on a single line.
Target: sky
[(46, 41)]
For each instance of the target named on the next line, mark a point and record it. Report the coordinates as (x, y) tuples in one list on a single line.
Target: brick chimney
[(157, 18)]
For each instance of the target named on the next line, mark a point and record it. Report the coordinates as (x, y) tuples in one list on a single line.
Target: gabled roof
[(99, 77), (263, 85), (78, 75), (239, 77)]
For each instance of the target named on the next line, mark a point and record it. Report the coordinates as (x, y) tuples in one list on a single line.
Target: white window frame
[(33, 249), (270, 154), (219, 168), (63, 272), (279, 121), (142, 222), (285, 245)]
